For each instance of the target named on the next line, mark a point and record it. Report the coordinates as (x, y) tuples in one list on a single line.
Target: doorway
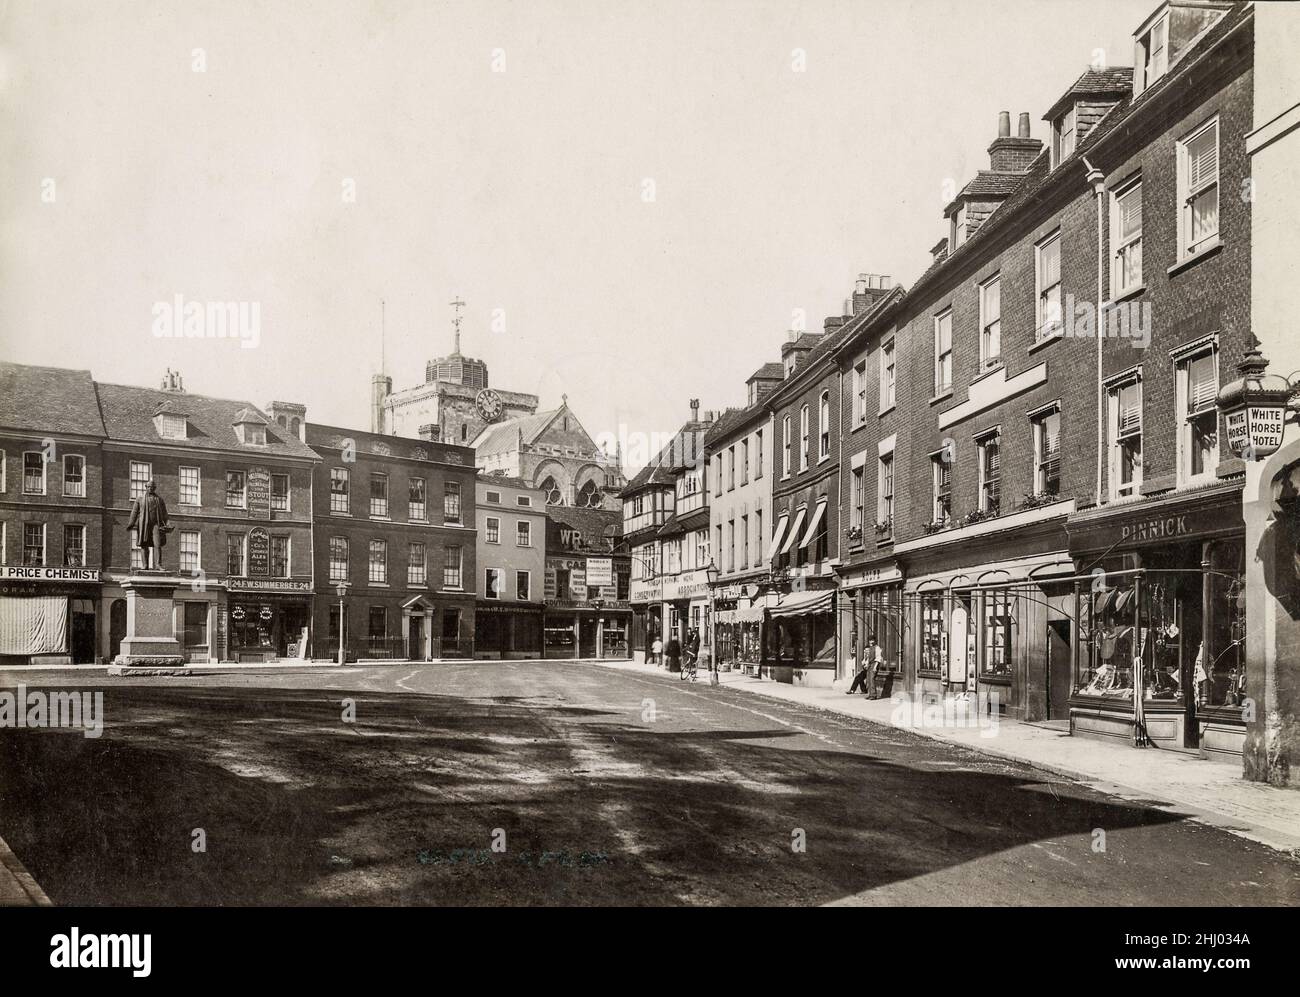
[(1058, 669), (116, 628), (415, 638), (81, 636), (586, 637)]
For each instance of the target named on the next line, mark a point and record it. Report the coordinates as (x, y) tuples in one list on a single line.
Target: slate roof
[(128, 415), (502, 437), (991, 184), (1112, 81), (49, 400), (772, 370)]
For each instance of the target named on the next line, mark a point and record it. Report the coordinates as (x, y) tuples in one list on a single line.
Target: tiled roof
[(49, 400), (990, 184), (597, 526), (506, 480), (128, 415), (685, 523), (685, 446), (502, 437), (1112, 81), (769, 371)]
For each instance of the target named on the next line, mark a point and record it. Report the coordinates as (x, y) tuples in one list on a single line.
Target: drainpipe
[(1098, 181)]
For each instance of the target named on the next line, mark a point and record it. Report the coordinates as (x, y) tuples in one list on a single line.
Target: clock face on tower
[(488, 403)]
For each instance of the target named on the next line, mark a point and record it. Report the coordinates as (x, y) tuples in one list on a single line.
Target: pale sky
[(519, 190)]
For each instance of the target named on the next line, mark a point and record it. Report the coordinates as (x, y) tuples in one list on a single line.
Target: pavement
[(1213, 793)]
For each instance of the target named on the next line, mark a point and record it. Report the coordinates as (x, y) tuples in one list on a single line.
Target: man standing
[(149, 520), (865, 679)]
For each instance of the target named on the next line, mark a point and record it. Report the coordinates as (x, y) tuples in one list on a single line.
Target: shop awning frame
[(794, 530), (804, 603), (777, 533), (813, 524)]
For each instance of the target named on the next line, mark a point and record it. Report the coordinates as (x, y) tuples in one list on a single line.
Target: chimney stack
[(1009, 154), (868, 290), (695, 410), (381, 386)]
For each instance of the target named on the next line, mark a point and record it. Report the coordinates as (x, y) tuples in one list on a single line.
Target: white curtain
[(33, 624)]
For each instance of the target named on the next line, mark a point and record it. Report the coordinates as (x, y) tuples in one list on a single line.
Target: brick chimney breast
[(1013, 154)]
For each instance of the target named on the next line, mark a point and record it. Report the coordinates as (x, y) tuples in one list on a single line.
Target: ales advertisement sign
[(259, 552), (259, 493)]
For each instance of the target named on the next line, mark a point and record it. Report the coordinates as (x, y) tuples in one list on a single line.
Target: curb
[(12, 869)]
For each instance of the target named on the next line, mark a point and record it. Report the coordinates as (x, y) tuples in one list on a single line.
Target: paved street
[(611, 787)]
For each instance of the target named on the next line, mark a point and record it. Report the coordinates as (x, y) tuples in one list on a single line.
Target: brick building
[(588, 575), (51, 515), (1026, 453), (395, 520), (511, 540)]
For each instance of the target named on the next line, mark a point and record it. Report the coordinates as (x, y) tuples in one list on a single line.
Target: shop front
[(741, 616), (48, 615), (647, 617), (1160, 647), (870, 613), (267, 619), (576, 630), (508, 630), (686, 607), (801, 637)]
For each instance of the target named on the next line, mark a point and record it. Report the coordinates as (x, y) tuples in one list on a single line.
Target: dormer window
[(170, 425), (958, 227), (253, 434), (1152, 58), (1063, 129)]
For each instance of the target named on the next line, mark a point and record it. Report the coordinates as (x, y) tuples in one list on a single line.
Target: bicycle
[(688, 668)]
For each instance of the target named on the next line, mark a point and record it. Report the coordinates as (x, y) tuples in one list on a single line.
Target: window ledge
[(885, 411), (1046, 341), (1190, 261), (382, 519), (942, 396), (1135, 291), (343, 515), (991, 368)]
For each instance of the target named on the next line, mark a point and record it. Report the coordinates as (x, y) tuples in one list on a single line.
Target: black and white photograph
[(691, 453)]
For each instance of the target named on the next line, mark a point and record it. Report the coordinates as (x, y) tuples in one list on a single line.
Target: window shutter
[(1202, 385), (1203, 159), (1130, 214), (1130, 410)]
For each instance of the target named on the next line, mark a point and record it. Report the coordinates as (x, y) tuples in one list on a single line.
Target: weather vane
[(458, 305)]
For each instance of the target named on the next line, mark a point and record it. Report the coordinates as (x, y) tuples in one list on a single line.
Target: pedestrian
[(674, 652), (693, 647), (865, 679), (656, 650)]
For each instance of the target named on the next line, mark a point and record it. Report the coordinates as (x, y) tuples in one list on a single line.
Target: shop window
[(190, 481), (338, 559), (74, 545), (1047, 453), (378, 574), (189, 556), (234, 554), (280, 557), (1126, 436), (339, 490), (451, 502), (415, 564), (415, 496), (492, 583), (379, 495), (451, 567), (74, 476), (280, 492), (997, 633), (236, 490), (934, 638), (1220, 670), (523, 586), (1197, 382), (990, 483), (140, 473)]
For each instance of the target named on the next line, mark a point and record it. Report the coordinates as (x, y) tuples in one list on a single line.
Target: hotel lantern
[(1254, 407)]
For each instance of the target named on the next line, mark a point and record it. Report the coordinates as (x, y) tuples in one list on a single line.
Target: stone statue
[(149, 519)]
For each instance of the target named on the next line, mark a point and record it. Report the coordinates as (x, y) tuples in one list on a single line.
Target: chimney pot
[(1023, 128), (1004, 124)]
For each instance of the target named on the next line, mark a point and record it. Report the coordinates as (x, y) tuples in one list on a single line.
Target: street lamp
[(342, 589), (1255, 405), (711, 573)]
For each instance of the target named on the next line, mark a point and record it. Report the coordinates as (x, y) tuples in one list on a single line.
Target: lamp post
[(711, 573), (342, 589)]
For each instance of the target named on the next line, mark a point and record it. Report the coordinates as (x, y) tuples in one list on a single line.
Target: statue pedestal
[(150, 644)]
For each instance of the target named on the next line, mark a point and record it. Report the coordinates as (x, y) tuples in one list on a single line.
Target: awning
[(813, 523), (794, 531), (35, 624), (802, 603), (776, 535)]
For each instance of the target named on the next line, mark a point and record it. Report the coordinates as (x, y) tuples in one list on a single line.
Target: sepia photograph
[(568, 454)]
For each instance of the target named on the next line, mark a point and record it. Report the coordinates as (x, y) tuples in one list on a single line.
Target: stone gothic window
[(552, 489), (589, 496)]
